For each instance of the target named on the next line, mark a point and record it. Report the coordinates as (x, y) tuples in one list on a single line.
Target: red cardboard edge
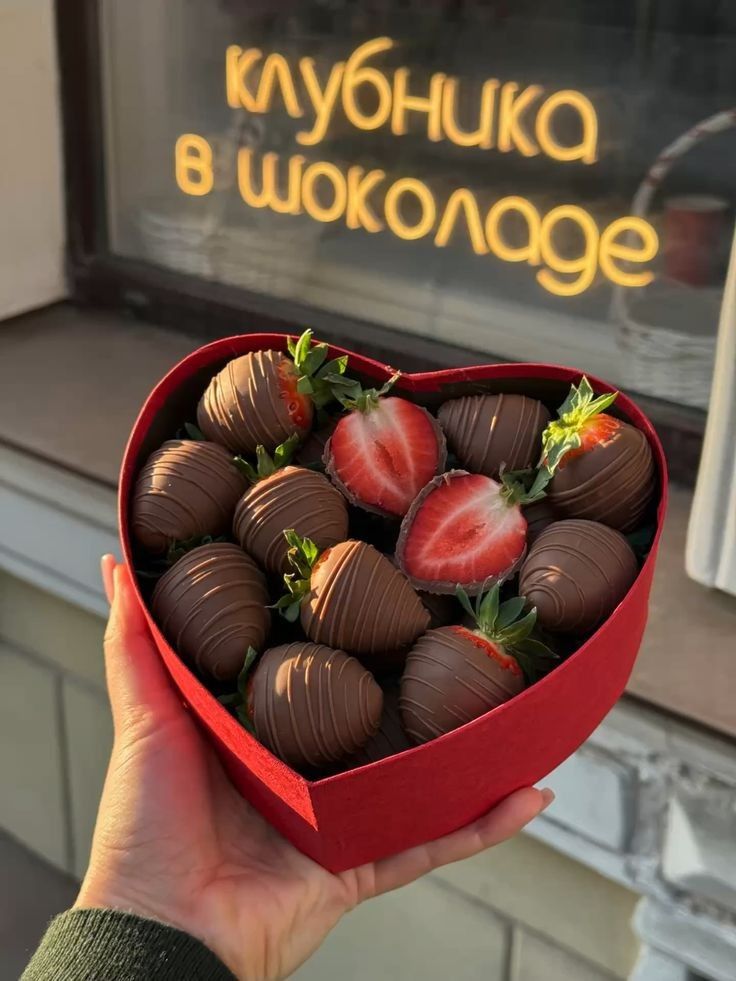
[(327, 818)]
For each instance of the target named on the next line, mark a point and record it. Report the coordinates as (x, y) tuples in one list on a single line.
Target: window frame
[(98, 277)]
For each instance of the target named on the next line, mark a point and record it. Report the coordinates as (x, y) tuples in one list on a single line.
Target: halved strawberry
[(384, 451), (464, 530)]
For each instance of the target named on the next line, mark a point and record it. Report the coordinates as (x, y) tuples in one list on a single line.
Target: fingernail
[(547, 797), (107, 567)]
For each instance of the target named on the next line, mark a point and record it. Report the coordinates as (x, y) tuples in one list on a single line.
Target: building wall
[(521, 912), (32, 226)]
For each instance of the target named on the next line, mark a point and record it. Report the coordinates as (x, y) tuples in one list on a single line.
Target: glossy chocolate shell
[(290, 498), (313, 705), (245, 404), (389, 738), (450, 680), (211, 606), (187, 489), (312, 450), (613, 482), (539, 515), (490, 432), (576, 574), (359, 602)]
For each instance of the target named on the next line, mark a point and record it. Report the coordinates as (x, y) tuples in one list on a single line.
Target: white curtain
[(710, 556)]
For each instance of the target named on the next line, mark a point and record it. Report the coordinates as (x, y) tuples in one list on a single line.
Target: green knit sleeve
[(107, 945)]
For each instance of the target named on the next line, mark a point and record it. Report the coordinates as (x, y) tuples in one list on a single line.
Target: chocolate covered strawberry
[(455, 674), (351, 597), (266, 396), (313, 705), (388, 740), (384, 450), (186, 490), (491, 434), (602, 468), (281, 497), (308, 704), (465, 530)]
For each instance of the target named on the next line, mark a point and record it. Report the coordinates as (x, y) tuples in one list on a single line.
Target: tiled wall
[(521, 912)]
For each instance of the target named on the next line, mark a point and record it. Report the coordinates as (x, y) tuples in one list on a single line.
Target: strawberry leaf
[(285, 451), (178, 549), (488, 610), (535, 659), (266, 465), (512, 635), (351, 394), (509, 611), (247, 469), (464, 601), (193, 432), (563, 433), (314, 373), (302, 554), (237, 701), (524, 486)]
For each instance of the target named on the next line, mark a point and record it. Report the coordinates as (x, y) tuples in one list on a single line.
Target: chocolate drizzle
[(290, 498), (211, 606), (450, 680), (245, 404), (613, 482), (539, 515), (576, 574), (313, 705), (360, 603), (186, 489), (490, 432), (389, 739)]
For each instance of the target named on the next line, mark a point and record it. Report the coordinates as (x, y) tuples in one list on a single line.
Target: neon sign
[(510, 119)]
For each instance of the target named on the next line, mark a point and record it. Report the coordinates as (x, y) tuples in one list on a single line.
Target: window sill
[(71, 383)]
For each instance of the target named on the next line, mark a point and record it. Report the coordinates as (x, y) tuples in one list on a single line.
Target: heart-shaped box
[(374, 811)]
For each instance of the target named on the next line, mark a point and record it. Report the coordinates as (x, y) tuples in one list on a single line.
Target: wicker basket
[(672, 361)]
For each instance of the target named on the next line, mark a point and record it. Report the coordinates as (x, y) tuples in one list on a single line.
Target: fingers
[(136, 677), (107, 568), (504, 821)]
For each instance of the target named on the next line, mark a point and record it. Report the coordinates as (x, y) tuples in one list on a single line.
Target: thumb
[(137, 681)]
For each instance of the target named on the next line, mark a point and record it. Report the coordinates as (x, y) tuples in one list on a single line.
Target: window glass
[(534, 181)]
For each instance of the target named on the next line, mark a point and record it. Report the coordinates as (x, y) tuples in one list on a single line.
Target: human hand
[(175, 841)]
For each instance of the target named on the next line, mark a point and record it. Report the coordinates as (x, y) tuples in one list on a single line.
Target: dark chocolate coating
[(290, 498), (490, 432), (244, 405), (443, 610), (313, 705), (539, 515), (312, 450), (613, 482), (212, 606), (388, 739), (187, 489), (360, 603), (450, 680), (576, 573)]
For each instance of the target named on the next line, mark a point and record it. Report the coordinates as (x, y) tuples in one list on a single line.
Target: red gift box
[(374, 811)]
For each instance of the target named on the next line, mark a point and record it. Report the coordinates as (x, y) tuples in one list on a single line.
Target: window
[(526, 180)]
